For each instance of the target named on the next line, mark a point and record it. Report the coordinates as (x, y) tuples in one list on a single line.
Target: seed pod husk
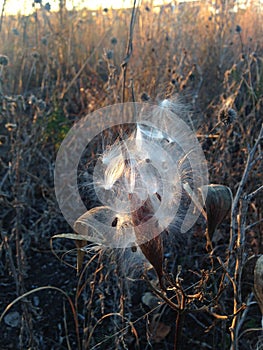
[(149, 241), (247, 276), (217, 200), (258, 282)]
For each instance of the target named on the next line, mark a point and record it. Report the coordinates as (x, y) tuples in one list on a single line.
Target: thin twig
[(84, 64), (129, 50), (2, 14), (237, 238), (233, 228), (254, 193)]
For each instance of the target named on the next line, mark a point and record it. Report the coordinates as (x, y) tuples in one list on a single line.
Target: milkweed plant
[(146, 179)]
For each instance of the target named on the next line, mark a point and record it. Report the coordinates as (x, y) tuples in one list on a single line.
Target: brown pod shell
[(148, 238), (153, 251), (258, 282), (247, 276), (217, 200)]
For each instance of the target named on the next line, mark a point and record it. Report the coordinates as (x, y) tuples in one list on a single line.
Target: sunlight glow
[(27, 6)]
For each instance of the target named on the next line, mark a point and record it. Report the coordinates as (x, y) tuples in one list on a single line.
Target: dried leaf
[(13, 319), (80, 242), (80, 254), (150, 300), (217, 200), (159, 330), (258, 282)]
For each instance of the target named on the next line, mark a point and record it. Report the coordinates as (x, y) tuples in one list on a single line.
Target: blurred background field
[(57, 67)]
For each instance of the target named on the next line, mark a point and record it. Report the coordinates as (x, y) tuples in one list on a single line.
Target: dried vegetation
[(56, 68)]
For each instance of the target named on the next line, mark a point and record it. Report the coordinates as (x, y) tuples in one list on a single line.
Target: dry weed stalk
[(172, 49), (237, 255)]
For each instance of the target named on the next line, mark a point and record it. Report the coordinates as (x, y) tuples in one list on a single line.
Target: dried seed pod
[(153, 251), (159, 330), (217, 200), (247, 276), (152, 247), (150, 300), (258, 283), (91, 225)]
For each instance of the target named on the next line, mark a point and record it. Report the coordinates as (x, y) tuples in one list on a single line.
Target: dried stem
[(129, 49), (237, 239), (235, 206), (2, 14)]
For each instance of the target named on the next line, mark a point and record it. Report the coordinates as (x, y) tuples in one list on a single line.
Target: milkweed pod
[(247, 276), (104, 226), (152, 247), (217, 200), (258, 284)]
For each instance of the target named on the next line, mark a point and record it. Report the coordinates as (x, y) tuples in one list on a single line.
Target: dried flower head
[(145, 97), (35, 55), (10, 126), (114, 41), (109, 54), (232, 114), (44, 41), (227, 116), (32, 100), (3, 60), (15, 31), (47, 6), (41, 105), (238, 29)]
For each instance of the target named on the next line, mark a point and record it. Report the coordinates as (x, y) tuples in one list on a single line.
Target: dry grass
[(62, 66)]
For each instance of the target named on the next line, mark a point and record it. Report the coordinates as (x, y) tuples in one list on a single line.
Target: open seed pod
[(101, 225), (217, 200), (258, 282)]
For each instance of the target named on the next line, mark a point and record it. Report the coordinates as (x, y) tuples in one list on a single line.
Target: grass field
[(56, 68)]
